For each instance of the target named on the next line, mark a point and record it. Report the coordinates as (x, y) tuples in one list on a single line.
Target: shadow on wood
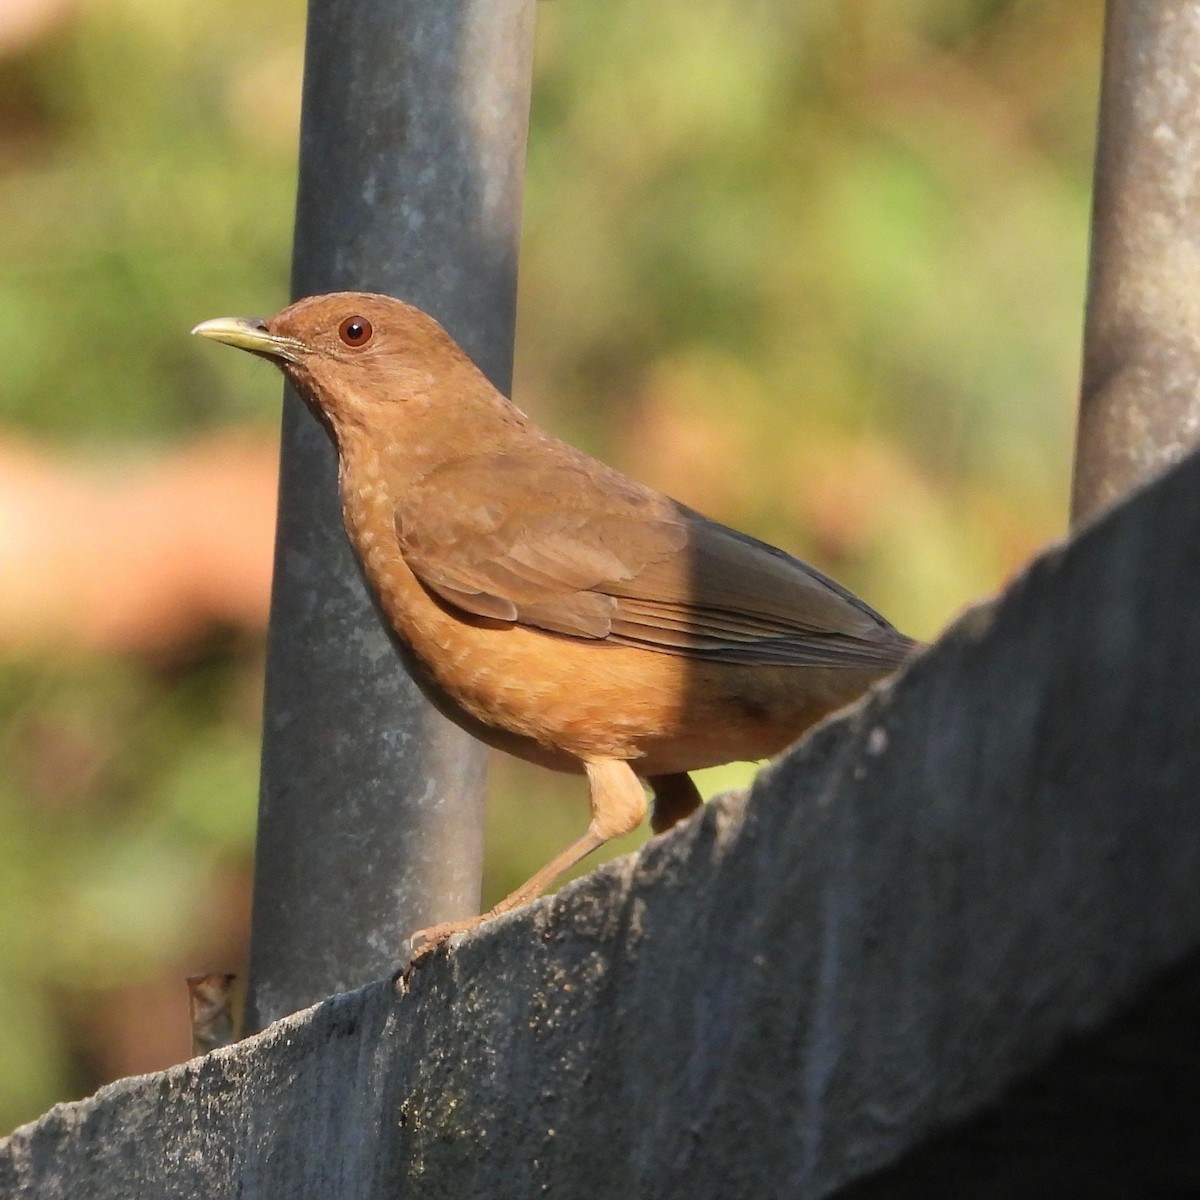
[(1112, 1116), (911, 909)]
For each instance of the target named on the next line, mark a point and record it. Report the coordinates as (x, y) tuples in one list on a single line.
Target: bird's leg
[(618, 807), (675, 797)]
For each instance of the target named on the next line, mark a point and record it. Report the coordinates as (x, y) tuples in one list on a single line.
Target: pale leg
[(618, 807)]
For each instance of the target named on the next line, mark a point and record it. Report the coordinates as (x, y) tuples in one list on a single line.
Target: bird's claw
[(425, 943)]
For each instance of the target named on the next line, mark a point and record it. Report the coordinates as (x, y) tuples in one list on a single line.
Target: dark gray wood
[(411, 170), (909, 910), (1112, 1116)]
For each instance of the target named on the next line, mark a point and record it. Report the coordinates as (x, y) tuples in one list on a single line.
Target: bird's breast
[(558, 700), (571, 698)]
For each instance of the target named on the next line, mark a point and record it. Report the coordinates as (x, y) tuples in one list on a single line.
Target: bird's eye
[(355, 331)]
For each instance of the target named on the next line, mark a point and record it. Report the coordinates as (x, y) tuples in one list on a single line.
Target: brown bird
[(555, 608)]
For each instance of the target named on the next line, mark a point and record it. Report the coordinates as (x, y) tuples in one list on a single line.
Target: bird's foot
[(425, 943)]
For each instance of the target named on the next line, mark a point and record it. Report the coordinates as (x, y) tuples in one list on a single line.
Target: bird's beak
[(251, 333)]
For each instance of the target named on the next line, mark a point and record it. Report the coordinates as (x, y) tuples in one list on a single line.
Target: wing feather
[(561, 543)]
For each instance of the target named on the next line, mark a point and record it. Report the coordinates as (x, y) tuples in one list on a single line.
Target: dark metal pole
[(1139, 408), (411, 163)]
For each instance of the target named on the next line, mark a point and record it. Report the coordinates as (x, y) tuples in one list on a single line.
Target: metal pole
[(1139, 408), (412, 152)]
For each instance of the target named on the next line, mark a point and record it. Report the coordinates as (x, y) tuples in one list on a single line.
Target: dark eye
[(355, 331)]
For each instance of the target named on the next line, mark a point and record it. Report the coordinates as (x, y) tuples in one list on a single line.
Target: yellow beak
[(251, 333)]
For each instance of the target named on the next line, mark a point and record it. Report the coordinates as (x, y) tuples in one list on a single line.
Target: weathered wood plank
[(910, 909)]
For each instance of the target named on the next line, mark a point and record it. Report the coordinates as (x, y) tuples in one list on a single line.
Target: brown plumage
[(554, 607)]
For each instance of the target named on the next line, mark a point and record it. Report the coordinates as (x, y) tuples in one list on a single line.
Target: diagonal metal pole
[(412, 153), (1139, 408)]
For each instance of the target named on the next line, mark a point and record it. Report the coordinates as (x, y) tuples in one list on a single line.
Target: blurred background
[(816, 268)]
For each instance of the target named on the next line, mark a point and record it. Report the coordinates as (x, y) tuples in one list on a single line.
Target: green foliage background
[(816, 268)]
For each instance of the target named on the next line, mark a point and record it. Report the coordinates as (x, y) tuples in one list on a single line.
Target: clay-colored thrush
[(554, 607)]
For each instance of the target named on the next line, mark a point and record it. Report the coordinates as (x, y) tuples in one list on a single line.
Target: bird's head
[(357, 358)]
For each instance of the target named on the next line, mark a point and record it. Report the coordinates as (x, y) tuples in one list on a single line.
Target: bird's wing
[(563, 543)]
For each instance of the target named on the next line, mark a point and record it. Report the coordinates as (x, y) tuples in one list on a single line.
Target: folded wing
[(564, 544)]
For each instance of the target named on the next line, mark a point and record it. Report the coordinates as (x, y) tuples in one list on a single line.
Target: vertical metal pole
[(411, 163), (1139, 408)]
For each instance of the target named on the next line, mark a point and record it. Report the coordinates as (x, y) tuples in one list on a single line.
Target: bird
[(549, 604)]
